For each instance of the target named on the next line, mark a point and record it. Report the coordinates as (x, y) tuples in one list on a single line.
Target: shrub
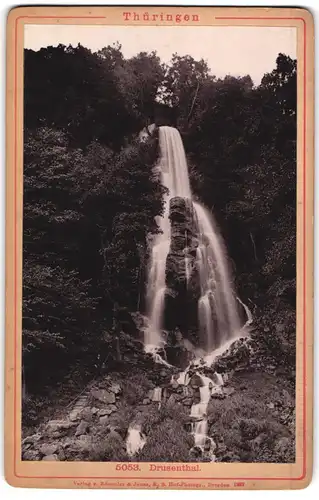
[(135, 389), (110, 449), (167, 442), (244, 424)]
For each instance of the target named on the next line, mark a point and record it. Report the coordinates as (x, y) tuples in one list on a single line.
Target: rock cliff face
[(182, 278), (180, 264)]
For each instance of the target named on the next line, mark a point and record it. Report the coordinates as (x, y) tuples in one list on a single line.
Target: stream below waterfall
[(198, 386), (198, 413), (135, 440)]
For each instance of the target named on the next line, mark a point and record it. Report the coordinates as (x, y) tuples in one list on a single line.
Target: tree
[(281, 84), (139, 79), (85, 224), (183, 80), (58, 307), (72, 89), (136, 201)]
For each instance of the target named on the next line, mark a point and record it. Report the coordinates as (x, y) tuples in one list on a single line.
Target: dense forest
[(86, 224)]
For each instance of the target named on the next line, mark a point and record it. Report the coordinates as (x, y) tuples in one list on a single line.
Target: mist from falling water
[(217, 308)]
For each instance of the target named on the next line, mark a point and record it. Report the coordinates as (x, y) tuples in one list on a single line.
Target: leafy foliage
[(79, 208), (256, 423)]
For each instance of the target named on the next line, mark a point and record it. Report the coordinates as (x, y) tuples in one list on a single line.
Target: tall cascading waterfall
[(174, 176), (217, 296), (218, 315)]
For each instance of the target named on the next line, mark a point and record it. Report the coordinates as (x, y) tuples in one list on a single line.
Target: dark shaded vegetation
[(257, 422), (254, 423), (90, 198)]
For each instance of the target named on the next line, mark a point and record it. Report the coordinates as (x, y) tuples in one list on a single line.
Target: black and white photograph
[(159, 244)]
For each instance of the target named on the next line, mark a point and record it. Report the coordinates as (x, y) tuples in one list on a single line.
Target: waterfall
[(135, 440), (199, 415), (218, 379), (218, 317), (183, 378), (207, 387), (157, 394), (248, 313), (174, 176), (217, 294)]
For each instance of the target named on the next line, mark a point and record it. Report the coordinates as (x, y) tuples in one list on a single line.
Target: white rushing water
[(174, 176), (199, 416), (135, 440), (217, 306), (157, 394)]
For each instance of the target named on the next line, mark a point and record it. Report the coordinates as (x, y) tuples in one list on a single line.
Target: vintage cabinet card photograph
[(159, 259)]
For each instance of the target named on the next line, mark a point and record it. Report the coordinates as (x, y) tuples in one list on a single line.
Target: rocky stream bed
[(250, 416)]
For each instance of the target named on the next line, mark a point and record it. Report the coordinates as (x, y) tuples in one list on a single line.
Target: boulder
[(196, 381), (160, 377), (188, 426), (195, 452), (61, 455), (104, 420), (52, 458), (82, 428), (67, 442), (217, 393), (171, 400), (104, 396), (48, 449), (284, 449), (188, 391), (187, 402), (210, 445), (83, 443), (30, 455), (74, 416), (116, 388), (174, 384), (57, 434), (31, 439), (107, 410), (58, 428), (86, 414)]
